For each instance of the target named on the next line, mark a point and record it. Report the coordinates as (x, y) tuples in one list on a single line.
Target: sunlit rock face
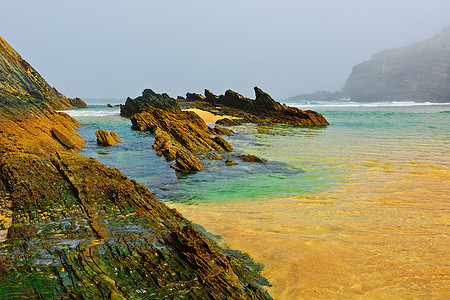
[(418, 72)]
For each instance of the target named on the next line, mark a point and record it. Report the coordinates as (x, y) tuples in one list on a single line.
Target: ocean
[(359, 209)]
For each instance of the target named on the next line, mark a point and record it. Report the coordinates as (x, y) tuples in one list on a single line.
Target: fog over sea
[(358, 209)]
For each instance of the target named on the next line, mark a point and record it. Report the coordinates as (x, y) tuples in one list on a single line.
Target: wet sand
[(382, 232), (207, 116), (382, 239)]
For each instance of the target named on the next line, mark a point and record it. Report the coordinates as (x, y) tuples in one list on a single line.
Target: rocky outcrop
[(22, 85), (263, 109), (77, 229), (251, 158), (77, 102), (418, 72), (230, 162), (38, 133), (148, 99), (194, 97), (106, 138), (82, 230), (29, 122), (180, 135)]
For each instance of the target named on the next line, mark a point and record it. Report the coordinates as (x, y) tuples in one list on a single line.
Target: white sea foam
[(92, 112), (345, 103)]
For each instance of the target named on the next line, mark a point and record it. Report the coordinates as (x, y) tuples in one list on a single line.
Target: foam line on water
[(92, 113)]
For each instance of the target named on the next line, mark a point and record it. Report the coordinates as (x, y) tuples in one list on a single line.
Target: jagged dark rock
[(264, 109), (194, 97), (148, 98), (111, 106), (229, 162), (229, 122), (210, 97), (77, 102)]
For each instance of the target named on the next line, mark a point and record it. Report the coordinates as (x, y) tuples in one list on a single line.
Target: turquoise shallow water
[(300, 160)]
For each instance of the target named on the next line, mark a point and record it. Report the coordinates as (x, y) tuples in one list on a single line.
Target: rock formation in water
[(262, 110), (73, 228), (179, 135), (148, 98), (106, 138), (251, 158)]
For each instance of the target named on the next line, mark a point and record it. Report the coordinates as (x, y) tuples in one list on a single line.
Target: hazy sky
[(114, 49)]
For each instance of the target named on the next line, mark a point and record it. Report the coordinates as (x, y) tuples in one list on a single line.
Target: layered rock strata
[(263, 109), (73, 228), (82, 230), (23, 85), (180, 136), (107, 138)]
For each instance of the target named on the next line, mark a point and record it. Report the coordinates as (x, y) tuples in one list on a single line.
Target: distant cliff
[(418, 72)]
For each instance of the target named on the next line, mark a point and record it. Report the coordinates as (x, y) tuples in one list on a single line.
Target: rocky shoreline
[(77, 229), (182, 136)]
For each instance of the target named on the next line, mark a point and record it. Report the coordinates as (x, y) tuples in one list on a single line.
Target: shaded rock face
[(194, 97), (21, 84), (77, 102), (148, 98), (418, 72), (106, 138), (228, 122), (263, 109), (82, 230)]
